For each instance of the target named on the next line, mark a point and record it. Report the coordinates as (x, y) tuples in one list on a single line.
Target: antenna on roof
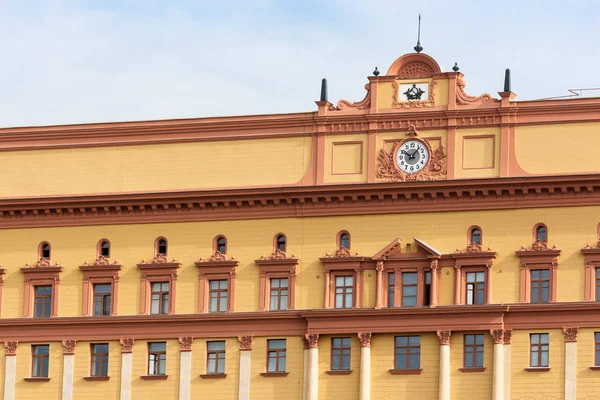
[(418, 48)]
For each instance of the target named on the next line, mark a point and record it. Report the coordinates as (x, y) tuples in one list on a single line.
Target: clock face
[(412, 156)]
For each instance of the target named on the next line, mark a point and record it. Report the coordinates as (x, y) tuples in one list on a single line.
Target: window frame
[(470, 351), (219, 297), (160, 300), (100, 248), (99, 273), (155, 272), (540, 350), (538, 259), (339, 240), (216, 245), (344, 351), (159, 354), (277, 357), (465, 283), (592, 266), (101, 362), (540, 288), (42, 250), (535, 233), (335, 277), (398, 286), (276, 242), (470, 236), (597, 349), (40, 276), (408, 353), (216, 270), (157, 246), (270, 268), (40, 359), (217, 354), (334, 266)]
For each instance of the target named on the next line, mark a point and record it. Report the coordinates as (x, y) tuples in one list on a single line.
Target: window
[(215, 357), (427, 289), (39, 360), (103, 248), (221, 244), (159, 298), (102, 299), (597, 349), (597, 284), (344, 240), (279, 294), (409, 289), (539, 349), (541, 232), (473, 345), (407, 352), (391, 288), (99, 352), (344, 287), (44, 250), (475, 235), (160, 246), (540, 285), (157, 358), (42, 301), (218, 293), (280, 242), (340, 354), (276, 355), (475, 287)]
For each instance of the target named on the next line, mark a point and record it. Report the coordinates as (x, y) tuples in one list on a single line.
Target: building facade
[(419, 244)]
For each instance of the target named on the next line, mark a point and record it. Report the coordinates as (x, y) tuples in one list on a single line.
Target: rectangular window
[(597, 284), (340, 354), (427, 289), (215, 357), (407, 352), (473, 351), (279, 294), (344, 288), (42, 301), (99, 359), (217, 294), (540, 285), (39, 360), (475, 287), (159, 303), (409, 289), (597, 349), (539, 349), (157, 358), (391, 288), (276, 355), (102, 298)]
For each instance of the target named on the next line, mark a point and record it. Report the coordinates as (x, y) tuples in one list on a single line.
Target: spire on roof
[(418, 48)]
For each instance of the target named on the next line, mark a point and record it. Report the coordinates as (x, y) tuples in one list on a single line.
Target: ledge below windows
[(154, 377), (340, 372), (477, 369), (37, 379), (537, 369), (213, 376), (407, 371), (595, 367), (274, 374), (96, 378)]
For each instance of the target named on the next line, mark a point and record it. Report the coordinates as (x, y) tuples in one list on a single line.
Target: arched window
[(103, 248), (541, 232), (160, 246), (475, 235), (343, 240), (44, 250), (280, 242), (220, 244)]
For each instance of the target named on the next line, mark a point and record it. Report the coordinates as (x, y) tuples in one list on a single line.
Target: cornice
[(294, 201)]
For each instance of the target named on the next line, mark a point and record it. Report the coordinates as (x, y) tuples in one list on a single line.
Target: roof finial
[(507, 80), (376, 72), (418, 48), (324, 89)]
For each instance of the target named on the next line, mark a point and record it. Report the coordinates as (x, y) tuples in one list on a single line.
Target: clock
[(412, 156)]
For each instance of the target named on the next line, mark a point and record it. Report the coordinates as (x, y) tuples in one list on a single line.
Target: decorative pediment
[(217, 259), (415, 100), (538, 253), (473, 255), (277, 255), (539, 245), (395, 247), (101, 262), (159, 259), (592, 253), (42, 263), (414, 66), (342, 252)]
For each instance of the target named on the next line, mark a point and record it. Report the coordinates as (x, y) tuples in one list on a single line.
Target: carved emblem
[(159, 259), (10, 348), (444, 337), (69, 346), (414, 102), (312, 339), (498, 336), (341, 252), (278, 255), (127, 345), (185, 343), (216, 257), (412, 131), (434, 170), (414, 92), (570, 334), (102, 261), (538, 245), (245, 342), (359, 105), (463, 98), (365, 339)]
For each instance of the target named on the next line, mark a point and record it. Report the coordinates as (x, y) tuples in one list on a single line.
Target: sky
[(75, 61)]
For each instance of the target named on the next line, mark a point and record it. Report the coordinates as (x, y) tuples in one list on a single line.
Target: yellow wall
[(217, 389), (93, 389), (345, 158), (162, 389), (470, 385), (587, 380), (339, 386), (33, 390), (477, 153)]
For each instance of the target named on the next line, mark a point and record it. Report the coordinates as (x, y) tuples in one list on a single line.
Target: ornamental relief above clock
[(412, 159)]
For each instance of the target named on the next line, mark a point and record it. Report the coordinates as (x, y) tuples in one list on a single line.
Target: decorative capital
[(127, 345), (434, 265), (245, 342), (570, 334), (498, 336), (365, 339), (69, 347), (379, 266), (10, 348), (507, 336), (444, 337), (185, 343), (312, 339)]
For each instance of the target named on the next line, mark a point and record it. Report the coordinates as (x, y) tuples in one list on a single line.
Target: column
[(245, 354), (312, 392), (306, 366), (379, 285), (444, 385), (507, 337), (570, 363), (68, 368), (434, 283), (10, 350), (498, 372), (365, 366), (126, 367), (185, 367)]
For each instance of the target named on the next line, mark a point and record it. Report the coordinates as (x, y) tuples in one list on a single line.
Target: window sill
[(407, 371), (213, 376), (339, 372), (595, 367), (96, 378), (472, 369), (274, 374), (154, 377), (537, 369), (37, 379)]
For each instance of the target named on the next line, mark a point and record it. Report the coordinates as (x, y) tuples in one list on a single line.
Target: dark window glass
[(99, 359), (39, 360), (159, 301), (475, 286), (45, 251), (340, 354), (476, 236), (540, 285), (407, 354), (345, 241), (157, 358), (222, 245), (217, 295), (391, 288), (276, 355), (102, 298), (473, 351), (409, 289), (539, 346), (427, 289), (344, 291), (281, 243), (162, 247), (279, 294), (105, 249), (42, 301), (215, 357), (597, 349), (541, 234), (597, 284)]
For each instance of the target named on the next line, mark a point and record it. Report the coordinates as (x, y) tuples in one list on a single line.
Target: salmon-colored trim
[(470, 235), (213, 376), (320, 160), (592, 262), (215, 244), (274, 268), (40, 276), (99, 248), (372, 151), (153, 272), (100, 273), (465, 138), (41, 250), (342, 264), (406, 371), (156, 246), (538, 259), (535, 229), (394, 69), (338, 240), (96, 378), (2, 272), (333, 144), (215, 270), (475, 260), (275, 241)]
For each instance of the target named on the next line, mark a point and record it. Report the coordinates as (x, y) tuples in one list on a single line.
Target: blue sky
[(73, 61)]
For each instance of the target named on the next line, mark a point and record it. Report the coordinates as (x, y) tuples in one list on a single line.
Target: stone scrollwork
[(245, 342), (364, 104), (463, 98)]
